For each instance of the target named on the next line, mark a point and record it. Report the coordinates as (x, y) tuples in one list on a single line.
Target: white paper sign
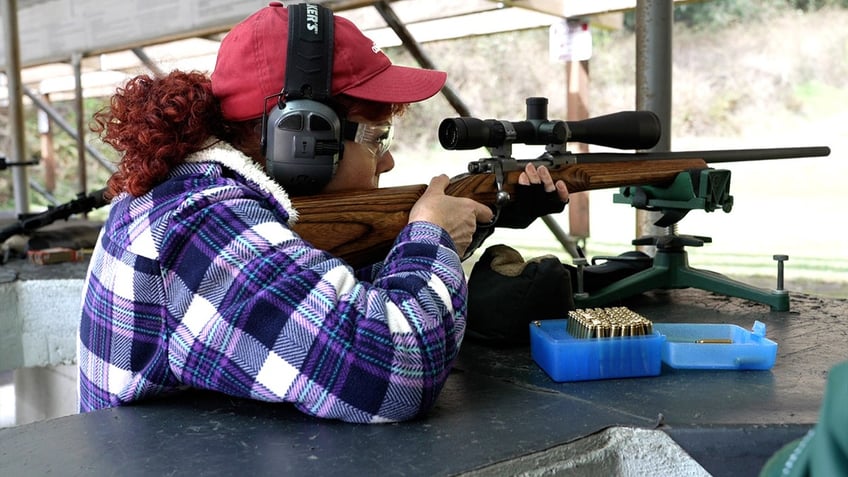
[(570, 40)]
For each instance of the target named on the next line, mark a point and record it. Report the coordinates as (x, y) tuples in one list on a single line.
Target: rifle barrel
[(714, 156), (32, 222)]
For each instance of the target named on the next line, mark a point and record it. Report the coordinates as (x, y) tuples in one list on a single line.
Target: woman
[(198, 280)]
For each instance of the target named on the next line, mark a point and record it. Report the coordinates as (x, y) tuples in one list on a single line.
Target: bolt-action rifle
[(361, 226)]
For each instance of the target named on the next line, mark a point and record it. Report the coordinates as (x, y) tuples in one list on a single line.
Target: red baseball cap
[(252, 61)]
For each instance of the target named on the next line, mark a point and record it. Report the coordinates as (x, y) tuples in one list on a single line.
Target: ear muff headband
[(302, 135)]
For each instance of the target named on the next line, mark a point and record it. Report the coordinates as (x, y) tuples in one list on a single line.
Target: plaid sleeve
[(122, 340), (259, 313)]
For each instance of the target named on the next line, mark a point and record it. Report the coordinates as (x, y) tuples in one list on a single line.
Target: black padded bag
[(506, 293)]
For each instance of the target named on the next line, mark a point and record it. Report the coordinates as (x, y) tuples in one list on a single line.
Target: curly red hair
[(154, 123)]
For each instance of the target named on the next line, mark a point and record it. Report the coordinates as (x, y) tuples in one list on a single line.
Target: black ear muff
[(302, 135), (303, 145)]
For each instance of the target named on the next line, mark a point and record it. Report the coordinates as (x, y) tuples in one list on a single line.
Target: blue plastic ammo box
[(565, 358)]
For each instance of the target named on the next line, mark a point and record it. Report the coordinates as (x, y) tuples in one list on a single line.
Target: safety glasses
[(376, 137)]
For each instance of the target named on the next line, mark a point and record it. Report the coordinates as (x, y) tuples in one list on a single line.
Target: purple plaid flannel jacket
[(202, 283)]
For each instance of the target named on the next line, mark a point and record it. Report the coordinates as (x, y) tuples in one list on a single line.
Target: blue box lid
[(716, 346)]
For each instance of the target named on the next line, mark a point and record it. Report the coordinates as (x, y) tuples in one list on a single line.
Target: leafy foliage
[(714, 14)]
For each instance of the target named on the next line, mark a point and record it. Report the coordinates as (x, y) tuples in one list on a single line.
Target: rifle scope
[(622, 130)]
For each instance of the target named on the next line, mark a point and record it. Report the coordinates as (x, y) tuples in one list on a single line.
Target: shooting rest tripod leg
[(777, 300), (657, 276), (670, 269)]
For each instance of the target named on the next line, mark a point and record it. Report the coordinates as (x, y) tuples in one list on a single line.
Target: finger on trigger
[(483, 214)]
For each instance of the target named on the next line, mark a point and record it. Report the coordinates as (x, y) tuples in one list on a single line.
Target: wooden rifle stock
[(361, 227)]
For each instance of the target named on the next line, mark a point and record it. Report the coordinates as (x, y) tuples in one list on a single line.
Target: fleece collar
[(225, 154)]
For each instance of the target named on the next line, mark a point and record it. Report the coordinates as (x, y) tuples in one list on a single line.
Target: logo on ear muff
[(302, 135)]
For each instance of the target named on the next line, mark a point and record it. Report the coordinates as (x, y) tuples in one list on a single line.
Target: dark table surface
[(497, 405)]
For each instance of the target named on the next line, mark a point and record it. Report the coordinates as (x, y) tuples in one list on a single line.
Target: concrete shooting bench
[(499, 414)]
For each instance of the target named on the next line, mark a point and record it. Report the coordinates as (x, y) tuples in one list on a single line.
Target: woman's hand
[(459, 216), (541, 175)]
